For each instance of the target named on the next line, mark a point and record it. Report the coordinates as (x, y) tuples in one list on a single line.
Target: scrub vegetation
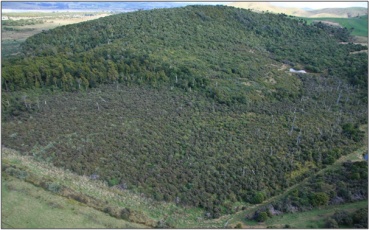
[(196, 107), (358, 25)]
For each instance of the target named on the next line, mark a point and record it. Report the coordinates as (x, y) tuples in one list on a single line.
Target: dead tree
[(339, 96), (291, 129)]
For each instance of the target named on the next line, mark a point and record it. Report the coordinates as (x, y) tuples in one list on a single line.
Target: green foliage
[(238, 225), (343, 218), (101, 53), (357, 219), (358, 26), (262, 217), (352, 131), (6, 28), (333, 187), (16, 173), (338, 32), (125, 213), (54, 187), (319, 199), (21, 22), (113, 182), (149, 142), (188, 105), (361, 218), (331, 223), (258, 198)]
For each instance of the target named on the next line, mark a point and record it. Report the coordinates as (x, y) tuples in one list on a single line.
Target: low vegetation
[(343, 185), (23, 204), (21, 22)]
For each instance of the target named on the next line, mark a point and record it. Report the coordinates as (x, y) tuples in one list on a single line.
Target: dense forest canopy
[(199, 42), (192, 105)]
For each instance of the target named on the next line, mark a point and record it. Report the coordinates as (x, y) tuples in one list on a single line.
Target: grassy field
[(359, 24), (27, 206)]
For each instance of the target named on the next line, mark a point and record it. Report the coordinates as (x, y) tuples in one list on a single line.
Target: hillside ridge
[(348, 12)]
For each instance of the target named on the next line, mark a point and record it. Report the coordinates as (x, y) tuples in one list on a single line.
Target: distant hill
[(304, 12), (359, 25), (101, 6), (338, 12), (265, 6)]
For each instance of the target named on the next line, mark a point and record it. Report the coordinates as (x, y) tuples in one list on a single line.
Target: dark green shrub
[(16, 173), (239, 225), (54, 187), (113, 182), (262, 217), (258, 198), (125, 213), (319, 198), (107, 210), (352, 131), (343, 218), (361, 218), (355, 176), (331, 223)]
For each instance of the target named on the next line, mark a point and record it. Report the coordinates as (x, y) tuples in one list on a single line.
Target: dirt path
[(329, 23)]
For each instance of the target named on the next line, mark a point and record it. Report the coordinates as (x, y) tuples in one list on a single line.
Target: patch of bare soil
[(270, 80), (361, 40), (361, 51), (283, 67)]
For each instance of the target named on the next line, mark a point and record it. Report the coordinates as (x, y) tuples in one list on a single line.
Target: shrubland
[(191, 105)]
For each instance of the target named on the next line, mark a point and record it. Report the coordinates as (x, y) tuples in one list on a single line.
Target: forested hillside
[(191, 105)]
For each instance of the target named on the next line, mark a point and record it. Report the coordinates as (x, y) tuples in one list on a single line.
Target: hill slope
[(265, 6), (327, 12), (360, 25), (191, 105), (349, 12)]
